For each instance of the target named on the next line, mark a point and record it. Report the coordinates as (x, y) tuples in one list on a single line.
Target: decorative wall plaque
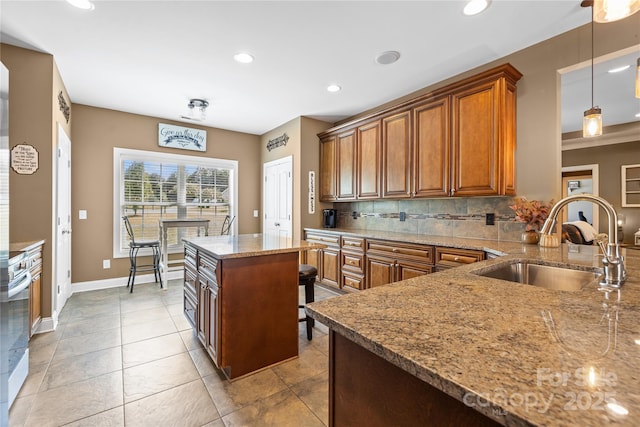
[(312, 192), (24, 159), (278, 142), (181, 137), (64, 107)]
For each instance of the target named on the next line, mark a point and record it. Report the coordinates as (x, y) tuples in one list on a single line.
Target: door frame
[(59, 296), (594, 169)]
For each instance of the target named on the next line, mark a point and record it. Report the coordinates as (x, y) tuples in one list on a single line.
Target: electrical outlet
[(489, 219), (255, 213), (354, 215), (82, 214), (403, 216), (106, 263)]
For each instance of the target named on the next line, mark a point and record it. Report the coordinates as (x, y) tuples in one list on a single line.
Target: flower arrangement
[(532, 212)]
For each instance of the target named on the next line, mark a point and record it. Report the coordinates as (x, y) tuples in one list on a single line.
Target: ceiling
[(151, 57)]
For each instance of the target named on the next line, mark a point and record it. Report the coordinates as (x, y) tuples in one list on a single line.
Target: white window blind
[(152, 186)]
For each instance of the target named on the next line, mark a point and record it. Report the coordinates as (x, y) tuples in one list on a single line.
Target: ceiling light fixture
[(82, 4), (388, 57), (243, 58), (592, 120), (197, 104), (334, 88), (474, 7), (612, 10)]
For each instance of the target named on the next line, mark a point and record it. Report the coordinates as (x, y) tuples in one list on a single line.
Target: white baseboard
[(47, 324), (95, 285)]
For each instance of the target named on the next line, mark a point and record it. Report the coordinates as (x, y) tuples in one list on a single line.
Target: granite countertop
[(248, 245), (25, 246), (520, 354)]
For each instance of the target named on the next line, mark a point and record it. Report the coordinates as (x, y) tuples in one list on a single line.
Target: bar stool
[(307, 278), (134, 247)]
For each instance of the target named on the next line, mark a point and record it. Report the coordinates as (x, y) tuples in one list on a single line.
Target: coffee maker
[(329, 218)]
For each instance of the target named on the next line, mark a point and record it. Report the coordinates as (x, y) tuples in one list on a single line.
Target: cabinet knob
[(456, 258)]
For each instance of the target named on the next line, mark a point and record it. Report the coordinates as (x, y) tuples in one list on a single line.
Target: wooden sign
[(24, 159), (180, 137)]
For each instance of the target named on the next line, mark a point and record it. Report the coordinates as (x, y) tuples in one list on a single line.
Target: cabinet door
[(369, 162), (34, 302), (331, 267), (328, 169), (346, 165), (312, 257), (203, 311), (432, 149), (476, 141), (408, 270), (396, 156), (213, 330), (380, 271)]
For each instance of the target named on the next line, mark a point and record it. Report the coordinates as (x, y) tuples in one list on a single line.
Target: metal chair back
[(127, 225), (226, 225)]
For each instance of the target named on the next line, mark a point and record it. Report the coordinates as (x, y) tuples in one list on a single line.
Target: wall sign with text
[(183, 138), (24, 159)]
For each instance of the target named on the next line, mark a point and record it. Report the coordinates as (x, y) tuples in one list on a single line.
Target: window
[(149, 186)]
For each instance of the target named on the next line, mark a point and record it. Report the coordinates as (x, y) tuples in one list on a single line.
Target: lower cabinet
[(34, 260), (389, 262), (244, 310), (452, 257), (326, 260)]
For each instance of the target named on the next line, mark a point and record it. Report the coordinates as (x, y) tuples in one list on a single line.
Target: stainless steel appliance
[(329, 218), (4, 245)]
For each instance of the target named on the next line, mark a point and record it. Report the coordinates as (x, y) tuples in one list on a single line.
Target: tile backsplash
[(455, 217)]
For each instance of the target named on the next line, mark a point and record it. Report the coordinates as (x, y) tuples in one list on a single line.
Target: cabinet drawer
[(451, 257), (353, 261), (190, 256), (327, 239), (353, 243), (208, 267), (417, 252), (190, 309), (190, 284), (352, 282)]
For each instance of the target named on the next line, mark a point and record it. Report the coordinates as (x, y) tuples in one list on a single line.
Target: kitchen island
[(457, 348), (241, 297)]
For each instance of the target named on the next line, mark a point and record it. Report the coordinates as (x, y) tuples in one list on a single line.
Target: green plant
[(531, 212)]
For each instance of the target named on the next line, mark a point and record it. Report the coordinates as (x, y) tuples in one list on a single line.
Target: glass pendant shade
[(613, 10), (592, 122)]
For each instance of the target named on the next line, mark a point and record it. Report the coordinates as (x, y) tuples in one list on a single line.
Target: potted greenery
[(533, 213)]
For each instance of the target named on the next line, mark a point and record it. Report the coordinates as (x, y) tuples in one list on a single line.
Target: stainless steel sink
[(545, 276)]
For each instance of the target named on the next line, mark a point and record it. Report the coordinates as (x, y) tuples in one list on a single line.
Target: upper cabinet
[(457, 141)]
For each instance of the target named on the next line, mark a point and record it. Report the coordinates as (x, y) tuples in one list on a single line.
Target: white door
[(62, 287), (278, 197)]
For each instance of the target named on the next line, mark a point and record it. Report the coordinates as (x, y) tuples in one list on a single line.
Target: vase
[(530, 237)]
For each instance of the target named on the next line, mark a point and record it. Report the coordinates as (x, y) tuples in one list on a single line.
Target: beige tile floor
[(120, 359)]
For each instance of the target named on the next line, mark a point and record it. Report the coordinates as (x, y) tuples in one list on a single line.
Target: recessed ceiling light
[(333, 88), (243, 58), (388, 57), (617, 70), (82, 4), (475, 6)]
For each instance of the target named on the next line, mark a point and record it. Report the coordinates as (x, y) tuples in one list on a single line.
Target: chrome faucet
[(612, 261)]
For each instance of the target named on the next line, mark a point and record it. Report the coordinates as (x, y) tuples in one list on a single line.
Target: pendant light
[(592, 121), (613, 10)]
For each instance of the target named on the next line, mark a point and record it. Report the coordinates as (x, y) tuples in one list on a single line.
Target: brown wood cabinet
[(328, 175), (389, 262), (246, 308), (34, 260), (452, 257), (326, 260), (352, 263), (397, 162), (459, 140)]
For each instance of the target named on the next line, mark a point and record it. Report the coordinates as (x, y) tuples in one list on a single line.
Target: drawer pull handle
[(456, 258)]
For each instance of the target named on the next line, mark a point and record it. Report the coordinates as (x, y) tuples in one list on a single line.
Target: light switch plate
[(82, 214), (255, 213), (106, 263)]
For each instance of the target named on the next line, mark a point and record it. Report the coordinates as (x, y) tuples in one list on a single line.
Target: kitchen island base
[(365, 389)]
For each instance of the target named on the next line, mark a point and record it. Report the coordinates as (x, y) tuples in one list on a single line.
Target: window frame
[(120, 154)]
